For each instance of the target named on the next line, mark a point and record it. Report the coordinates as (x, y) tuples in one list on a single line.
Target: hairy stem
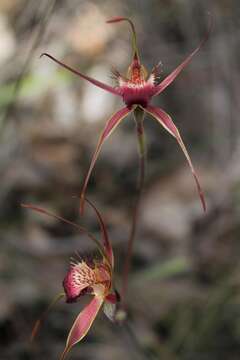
[(138, 117)]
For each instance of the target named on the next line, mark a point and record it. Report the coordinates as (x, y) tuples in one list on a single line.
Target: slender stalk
[(136, 349), (138, 117)]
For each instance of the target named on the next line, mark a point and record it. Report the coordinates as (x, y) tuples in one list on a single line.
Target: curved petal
[(80, 228), (171, 77), (166, 121), (82, 324), (97, 83), (109, 127), (39, 322), (106, 242), (134, 35)]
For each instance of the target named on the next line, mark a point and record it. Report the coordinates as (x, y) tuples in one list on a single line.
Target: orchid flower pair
[(137, 90), (96, 277), (93, 277)]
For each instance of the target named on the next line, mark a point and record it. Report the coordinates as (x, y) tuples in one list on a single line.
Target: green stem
[(138, 117)]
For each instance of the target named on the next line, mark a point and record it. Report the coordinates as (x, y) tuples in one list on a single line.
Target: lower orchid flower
[(93, 277), (137, 90)]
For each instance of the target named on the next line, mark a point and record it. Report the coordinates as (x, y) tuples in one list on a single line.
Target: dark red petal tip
[(43, 54), (134, 36), (117, 19)]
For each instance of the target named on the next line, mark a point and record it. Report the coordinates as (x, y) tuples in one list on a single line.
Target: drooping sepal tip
[(39, 322), (134, 35), (80, 228), (35, 330), (200, 193)]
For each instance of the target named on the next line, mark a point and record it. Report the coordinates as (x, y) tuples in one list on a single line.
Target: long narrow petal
[(109, 127), (39, 322), (106, 242), (69, 222), (171, 77), (166, 121), (82, 324), (101, 85)]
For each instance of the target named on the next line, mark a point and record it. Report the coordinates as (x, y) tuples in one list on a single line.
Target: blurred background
[(184, 294)]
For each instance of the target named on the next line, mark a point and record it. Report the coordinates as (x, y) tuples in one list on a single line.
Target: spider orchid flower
[(93, 277), (137, 89)]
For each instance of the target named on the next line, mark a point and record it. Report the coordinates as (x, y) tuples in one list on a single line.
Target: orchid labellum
[(137, 90), (93, 277)]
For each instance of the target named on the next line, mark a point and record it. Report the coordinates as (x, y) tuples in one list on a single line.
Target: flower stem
[(140, 351), (138, 117)]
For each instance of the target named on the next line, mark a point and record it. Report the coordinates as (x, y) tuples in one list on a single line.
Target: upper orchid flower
[(137, 89), (93, 277)]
